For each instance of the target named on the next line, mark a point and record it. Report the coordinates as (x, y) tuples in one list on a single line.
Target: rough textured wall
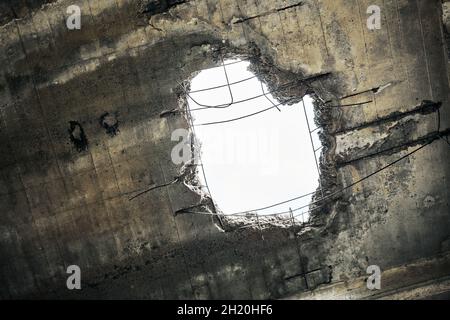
[(86, 120)]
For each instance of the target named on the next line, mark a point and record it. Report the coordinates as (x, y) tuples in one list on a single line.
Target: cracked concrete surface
[(64, 205)]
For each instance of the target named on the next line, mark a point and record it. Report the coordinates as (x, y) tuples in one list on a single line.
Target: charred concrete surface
[(110, 123), (375, 90), (77, 136)]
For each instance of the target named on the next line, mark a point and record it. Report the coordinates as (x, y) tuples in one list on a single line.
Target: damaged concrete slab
[(87, 179)]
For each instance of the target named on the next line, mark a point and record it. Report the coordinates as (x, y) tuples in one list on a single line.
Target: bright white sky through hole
[(256, 161)]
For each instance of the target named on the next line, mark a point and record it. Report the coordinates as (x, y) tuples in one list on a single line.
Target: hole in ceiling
[(254, 151)]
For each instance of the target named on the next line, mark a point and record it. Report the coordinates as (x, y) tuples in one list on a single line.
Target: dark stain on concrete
[(13, 9), (159, 6), (110, 123), (77, 136), (17, 82)]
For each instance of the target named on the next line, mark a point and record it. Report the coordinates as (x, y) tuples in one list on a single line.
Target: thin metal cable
[(263, 91), (265, 95), (243, 117), (273, 205), (153, 188), (201, 162), (356, 104), (219, 106), (313, 147), (223, 85), (228, 81), (314, 130)]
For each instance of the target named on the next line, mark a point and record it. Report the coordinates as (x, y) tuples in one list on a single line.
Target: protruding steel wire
[(313, 147)]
